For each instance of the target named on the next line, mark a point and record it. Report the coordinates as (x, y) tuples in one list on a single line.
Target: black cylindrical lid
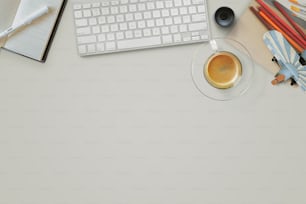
[(224, 16)]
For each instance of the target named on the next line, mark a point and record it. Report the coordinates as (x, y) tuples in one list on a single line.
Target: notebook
[(249, 31), (34, 40)]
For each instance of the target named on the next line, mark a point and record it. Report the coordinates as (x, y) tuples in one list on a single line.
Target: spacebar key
[(139, 43)]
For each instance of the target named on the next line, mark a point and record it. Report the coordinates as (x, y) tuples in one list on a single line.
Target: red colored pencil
[(288, 28), (282, 10)]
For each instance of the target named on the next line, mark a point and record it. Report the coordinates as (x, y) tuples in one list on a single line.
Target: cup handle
[(213, 45)]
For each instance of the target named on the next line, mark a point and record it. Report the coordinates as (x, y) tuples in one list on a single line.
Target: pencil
[(282, 10), (292, 42), (255, 12), (297, 37), (282, 27)]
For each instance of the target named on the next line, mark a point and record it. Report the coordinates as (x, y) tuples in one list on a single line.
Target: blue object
[(287, 58)]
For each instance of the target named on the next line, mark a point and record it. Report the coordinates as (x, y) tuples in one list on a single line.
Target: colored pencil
[(267, 25), (292, 42), (281, 21), (291, 21)]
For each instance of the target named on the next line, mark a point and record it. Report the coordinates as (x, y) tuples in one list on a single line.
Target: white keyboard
[(123, 25)]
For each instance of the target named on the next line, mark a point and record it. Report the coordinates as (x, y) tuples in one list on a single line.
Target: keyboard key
[(105, 11), (165, 30), (96, 5), (167, 39), (119, 18), (174, 29), (201, 9), (87, 13), (177, 38), (197, 26), (110, 37), (86, 6), (86, 39), (135, 43), (147, 15), (81, 22), (165, 13), (198, 17), (159, 4), (101, 37), (114, 27), (123, 9), (78, 14), (128, 34), (174, 12), (168, 21), (92, 21), (111, 19), (150, 23), (183, 11), (91, 48), (137, 33), (141, 24), (186, 2), (168, 4), (177, 3), (132, 25), (120, 36), (177, 20), (96, 12), (156, 31), (123, 26), (197, 2), (150, 5), (129, 17), (83, 31), (105, 28), (100, 47), (102, 20), (110, 46), (82, 49), (156, 14), (183, 28), (192, 9), (114, 10), (146, 32), (77, 6)]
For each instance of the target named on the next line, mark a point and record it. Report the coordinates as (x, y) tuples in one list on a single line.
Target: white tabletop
[(132, 128)]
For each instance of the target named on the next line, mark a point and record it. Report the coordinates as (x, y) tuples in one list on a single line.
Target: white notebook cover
[(32, 40)]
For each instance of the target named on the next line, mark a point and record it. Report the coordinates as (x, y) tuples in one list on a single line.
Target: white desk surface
[(132, 128)]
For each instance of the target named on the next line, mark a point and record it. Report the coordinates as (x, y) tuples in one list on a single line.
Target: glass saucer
[(216, 89)]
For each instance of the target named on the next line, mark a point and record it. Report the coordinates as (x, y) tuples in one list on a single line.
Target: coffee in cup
[(223, 70)]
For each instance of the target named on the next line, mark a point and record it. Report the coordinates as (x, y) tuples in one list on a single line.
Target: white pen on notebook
[(28, 20)]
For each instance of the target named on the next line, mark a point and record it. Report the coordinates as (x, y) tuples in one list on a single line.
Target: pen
[(300, 2), (297, 28), (293, 7), (28, 20)]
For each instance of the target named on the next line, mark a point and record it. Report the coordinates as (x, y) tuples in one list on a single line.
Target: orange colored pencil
[(292, 42)]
